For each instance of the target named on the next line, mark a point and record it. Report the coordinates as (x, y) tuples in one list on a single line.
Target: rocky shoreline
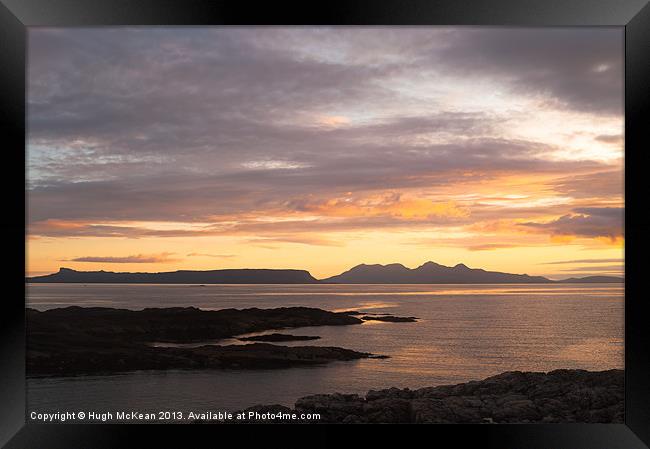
[(75, 340), (560, 396)]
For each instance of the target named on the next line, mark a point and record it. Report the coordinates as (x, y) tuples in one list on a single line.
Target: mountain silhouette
[(428, 273)]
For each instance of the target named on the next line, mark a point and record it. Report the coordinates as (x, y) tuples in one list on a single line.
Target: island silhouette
[(427, 273)]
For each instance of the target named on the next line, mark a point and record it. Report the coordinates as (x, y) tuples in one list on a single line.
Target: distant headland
[(428, 273)]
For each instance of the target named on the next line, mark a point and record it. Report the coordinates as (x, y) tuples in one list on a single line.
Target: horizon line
[(460, 264)]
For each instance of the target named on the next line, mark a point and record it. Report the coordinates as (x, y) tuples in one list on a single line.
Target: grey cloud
[(610, 138), (559, 262), (577, 67), (606, 182), (47, 229), (139, 258), (304, 240), (585, 222), (593, 269), (130, 81)]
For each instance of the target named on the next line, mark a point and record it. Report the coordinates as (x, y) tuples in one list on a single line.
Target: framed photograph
[(324, 221)]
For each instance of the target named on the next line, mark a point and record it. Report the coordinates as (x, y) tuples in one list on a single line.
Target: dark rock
[(560, 396), (140, 357), (174, 324), (76, 340), (387, 410), (390, 318), (394, 393), (337, 407), (279, 337)]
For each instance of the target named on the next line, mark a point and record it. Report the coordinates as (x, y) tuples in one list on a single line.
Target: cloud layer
[(138, 258), (482, 137)]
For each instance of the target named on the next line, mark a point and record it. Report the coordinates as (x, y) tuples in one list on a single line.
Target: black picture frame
[(17, 15)]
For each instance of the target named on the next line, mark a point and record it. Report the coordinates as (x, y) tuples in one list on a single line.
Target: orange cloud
[(502, 226), (613, 241), (388, 206), (333, 120), (557, 238), (491, 246)]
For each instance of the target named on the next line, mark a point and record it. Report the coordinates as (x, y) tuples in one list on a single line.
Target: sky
[(164, 148)]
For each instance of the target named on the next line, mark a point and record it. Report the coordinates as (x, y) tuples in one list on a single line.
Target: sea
[(464, 332)]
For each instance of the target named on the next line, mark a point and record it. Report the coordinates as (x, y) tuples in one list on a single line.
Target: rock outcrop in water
[(561, 396), (390, 318), (173, 324), (76, 340), (96, 360), (275, 337)]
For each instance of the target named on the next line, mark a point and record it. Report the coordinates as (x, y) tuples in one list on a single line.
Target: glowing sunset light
[(334, 120), (323, 148)]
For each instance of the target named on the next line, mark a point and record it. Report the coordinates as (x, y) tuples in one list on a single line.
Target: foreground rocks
[(75, 340), (561, 396)]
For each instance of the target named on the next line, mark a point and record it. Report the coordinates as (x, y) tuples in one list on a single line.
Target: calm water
[(465, 332)]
